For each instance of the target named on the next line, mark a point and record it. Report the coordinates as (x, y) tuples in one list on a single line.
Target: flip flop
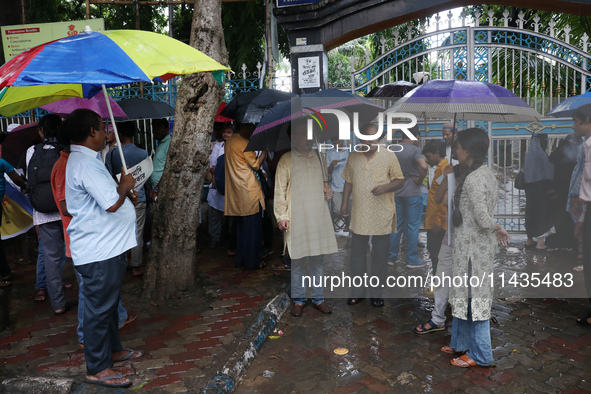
[(102, 381), (131, 316), (425, 330), (4, 283), (377, 302), (464, 362), (354, 301), (40, 295), (450, 350), (276, 267), (129, 355), (582, 320)]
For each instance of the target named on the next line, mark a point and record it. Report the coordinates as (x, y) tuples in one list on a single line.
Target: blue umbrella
[(568, 106), (270, 134)]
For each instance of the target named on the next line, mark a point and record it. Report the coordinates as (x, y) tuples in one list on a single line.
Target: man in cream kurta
[(302, 212), (372, 177), (244, 197)]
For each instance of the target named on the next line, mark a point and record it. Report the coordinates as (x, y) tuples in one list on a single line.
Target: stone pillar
[(309, 63)]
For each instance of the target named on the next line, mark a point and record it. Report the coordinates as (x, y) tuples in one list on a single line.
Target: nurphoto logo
[(345, 128)]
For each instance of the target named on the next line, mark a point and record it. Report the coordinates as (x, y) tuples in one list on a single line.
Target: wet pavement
[(537, 346)]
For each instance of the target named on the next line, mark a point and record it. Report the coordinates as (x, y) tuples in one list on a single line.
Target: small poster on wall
[(309, 72)]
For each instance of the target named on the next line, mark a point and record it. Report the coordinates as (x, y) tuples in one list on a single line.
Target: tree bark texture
[(173, 259)]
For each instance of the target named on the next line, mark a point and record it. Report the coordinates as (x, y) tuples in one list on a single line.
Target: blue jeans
[(121, 311), (41, 281), (409, 210), (298, 271), (473, 337)]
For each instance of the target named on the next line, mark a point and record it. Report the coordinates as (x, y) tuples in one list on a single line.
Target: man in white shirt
[(101, 231)]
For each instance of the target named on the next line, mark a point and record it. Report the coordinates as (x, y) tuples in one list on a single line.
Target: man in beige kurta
[(244, 197), (301, 211), (372, 177)]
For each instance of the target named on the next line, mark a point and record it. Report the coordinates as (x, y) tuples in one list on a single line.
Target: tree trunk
[(172, 262)]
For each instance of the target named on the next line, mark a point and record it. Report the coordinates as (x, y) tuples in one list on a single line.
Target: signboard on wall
[(287, 3), (19, 38), (309, 72)]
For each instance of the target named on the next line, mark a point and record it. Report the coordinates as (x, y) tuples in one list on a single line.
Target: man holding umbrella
[(101, 231), (302, 212)]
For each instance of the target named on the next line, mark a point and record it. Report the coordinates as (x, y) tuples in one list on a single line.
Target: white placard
[(141, 172), (309, 72)]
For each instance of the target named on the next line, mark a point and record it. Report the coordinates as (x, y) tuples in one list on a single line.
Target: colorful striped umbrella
[(92, 61)]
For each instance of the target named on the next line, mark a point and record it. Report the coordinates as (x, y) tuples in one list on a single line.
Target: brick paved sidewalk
[(185, 341)]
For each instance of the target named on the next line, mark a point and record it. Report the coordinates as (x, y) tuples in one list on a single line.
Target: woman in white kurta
[(474, 247)]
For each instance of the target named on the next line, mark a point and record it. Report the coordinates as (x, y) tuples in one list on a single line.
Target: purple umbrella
[(465, 100), (96, 104)]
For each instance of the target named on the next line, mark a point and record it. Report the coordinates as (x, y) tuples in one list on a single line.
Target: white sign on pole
[(309, 72)]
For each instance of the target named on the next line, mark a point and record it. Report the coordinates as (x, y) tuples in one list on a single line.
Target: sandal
[(8, 277), (354, 301), (130, 355), (465, 362), (432, 327), (377, 302), (103, 381), (4, 283), (41, 295), (583, 320), (276, 267), (450, 350)]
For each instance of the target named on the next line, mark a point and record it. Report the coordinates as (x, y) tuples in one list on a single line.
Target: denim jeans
[(473, 337), (121, 311), (409, 211), (298, 271)]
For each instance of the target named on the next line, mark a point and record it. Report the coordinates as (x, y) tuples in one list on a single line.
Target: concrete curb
[(37, 385), (248, 347)]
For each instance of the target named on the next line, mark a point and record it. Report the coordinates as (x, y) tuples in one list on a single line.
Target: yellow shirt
[(243, 190), (436, 213), (372, 215)]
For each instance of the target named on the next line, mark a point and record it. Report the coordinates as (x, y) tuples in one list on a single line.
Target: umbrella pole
[(119, 148)]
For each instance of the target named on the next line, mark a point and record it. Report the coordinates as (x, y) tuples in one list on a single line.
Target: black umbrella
[(394, 89), (137, 108), (250, 107), (271, 133)]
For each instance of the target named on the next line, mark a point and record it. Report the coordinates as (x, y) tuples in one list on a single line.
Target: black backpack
[(39, 177), (220, 175)]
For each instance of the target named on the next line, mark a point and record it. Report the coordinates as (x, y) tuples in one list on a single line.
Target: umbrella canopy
[(465, 100), (96, 104), (394, 89), (250, 107), (88, 61), (18, 141), (97, 60), (568, 106), (219, 118), (14, 100), (138, 108), (271, 132)]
